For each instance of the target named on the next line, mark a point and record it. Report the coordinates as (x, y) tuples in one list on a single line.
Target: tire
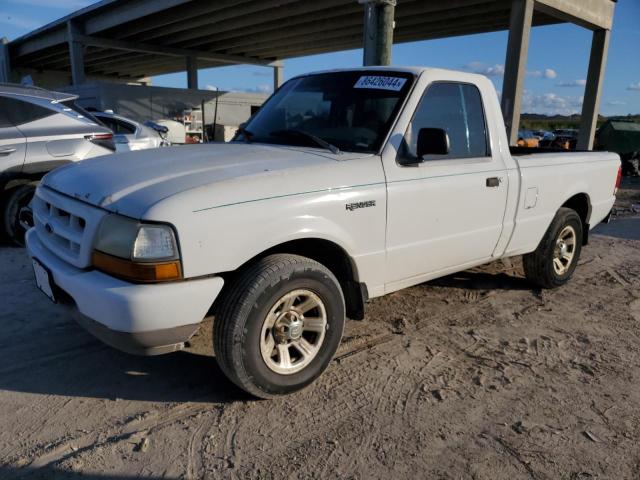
[(255, 323), (15, 199), (541, 267)]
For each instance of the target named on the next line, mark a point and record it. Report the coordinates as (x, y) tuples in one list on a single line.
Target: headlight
[(137, 251), (155, 242)]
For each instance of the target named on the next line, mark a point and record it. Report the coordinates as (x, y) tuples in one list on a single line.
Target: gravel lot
[(476, 375)]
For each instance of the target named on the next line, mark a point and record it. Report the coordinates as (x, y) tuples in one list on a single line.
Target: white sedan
[(128, 134)]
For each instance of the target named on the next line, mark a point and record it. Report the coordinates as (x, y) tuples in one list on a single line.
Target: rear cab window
[(456, 108)]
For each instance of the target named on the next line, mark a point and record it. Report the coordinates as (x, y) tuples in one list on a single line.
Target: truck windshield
[(349, 111)]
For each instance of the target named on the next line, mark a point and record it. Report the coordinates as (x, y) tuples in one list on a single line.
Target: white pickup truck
[(346, 185)]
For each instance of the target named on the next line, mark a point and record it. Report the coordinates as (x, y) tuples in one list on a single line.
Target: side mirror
[(432, 141)]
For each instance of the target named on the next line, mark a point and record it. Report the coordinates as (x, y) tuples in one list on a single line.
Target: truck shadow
[(627, 228), (50, 471), (84, 367), (477, 280)]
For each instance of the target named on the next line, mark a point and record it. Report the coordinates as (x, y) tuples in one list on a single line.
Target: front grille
[(66, 226)]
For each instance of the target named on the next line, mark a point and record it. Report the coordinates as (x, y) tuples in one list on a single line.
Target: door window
[(118, 126), (4, 117), (457, 109), (19, 112)]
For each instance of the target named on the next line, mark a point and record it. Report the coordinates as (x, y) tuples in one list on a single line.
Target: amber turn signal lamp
[(137, 271)]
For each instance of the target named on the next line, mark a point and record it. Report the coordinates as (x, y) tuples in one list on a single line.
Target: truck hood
[(132, 182)]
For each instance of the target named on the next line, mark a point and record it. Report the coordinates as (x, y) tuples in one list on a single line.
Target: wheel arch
[(581, 204), (332, 256)]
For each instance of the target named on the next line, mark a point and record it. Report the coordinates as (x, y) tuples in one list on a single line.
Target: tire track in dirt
[(350, 400), (68, 447), (388, 391), (193, 450)]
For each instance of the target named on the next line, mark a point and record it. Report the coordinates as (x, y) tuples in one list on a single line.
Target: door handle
[(493, 182), (7, 151)]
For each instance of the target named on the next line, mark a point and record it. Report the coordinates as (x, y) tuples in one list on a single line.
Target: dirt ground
[(475, 376)]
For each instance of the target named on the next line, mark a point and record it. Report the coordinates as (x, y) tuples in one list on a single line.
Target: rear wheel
[(279, 325), (552, 264), (15, 200)]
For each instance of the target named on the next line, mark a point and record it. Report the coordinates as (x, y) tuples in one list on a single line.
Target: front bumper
[(141, 319)]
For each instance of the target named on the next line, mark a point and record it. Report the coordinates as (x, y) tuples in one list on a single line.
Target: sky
[(556, 70)]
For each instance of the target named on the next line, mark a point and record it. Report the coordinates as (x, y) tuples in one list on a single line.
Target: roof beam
[(417, 24), (185, 31), (317, 13), (127, 11), (40, 42), (253, 13), (292, 17), (352, 42), (56, 32), (169, 51), (180, 16), (354, 24), (592, 14)]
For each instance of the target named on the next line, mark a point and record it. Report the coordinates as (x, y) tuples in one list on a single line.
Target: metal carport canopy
[(131, 39)]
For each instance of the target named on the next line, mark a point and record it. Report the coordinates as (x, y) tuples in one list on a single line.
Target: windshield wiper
[(309, 136)]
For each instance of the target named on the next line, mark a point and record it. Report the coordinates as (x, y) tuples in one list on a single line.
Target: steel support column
[(378, 31), (76, 54), (5, 64), (192, 73), (278, 76), (593, 90), (516, 65)]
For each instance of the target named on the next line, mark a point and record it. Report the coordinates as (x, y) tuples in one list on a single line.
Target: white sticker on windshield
[(381, 83)]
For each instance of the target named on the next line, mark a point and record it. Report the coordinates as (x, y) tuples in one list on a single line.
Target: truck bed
[(520, 151)]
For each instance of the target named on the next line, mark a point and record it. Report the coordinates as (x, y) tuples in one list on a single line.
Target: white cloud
[(572, 83), (496, 70), (550, 103), (616, 102), (264, 88), (634, 86), (546, 73)]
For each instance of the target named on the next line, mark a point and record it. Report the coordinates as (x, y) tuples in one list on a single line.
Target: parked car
[(566, 132), (526, 138), (561, 139), (176, 132), (39, 131), (129, 134), (161, 130), (346, 185)]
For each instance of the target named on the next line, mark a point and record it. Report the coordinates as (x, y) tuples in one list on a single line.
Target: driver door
[(445, 212)]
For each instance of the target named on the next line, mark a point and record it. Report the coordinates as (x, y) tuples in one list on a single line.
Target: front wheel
[(279, 325), (15, 200), (552, 264)]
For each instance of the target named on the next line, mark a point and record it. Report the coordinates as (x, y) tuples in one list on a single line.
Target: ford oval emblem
[(48, 228)]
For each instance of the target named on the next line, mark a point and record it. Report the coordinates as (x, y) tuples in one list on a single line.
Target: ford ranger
[(346, 185)]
